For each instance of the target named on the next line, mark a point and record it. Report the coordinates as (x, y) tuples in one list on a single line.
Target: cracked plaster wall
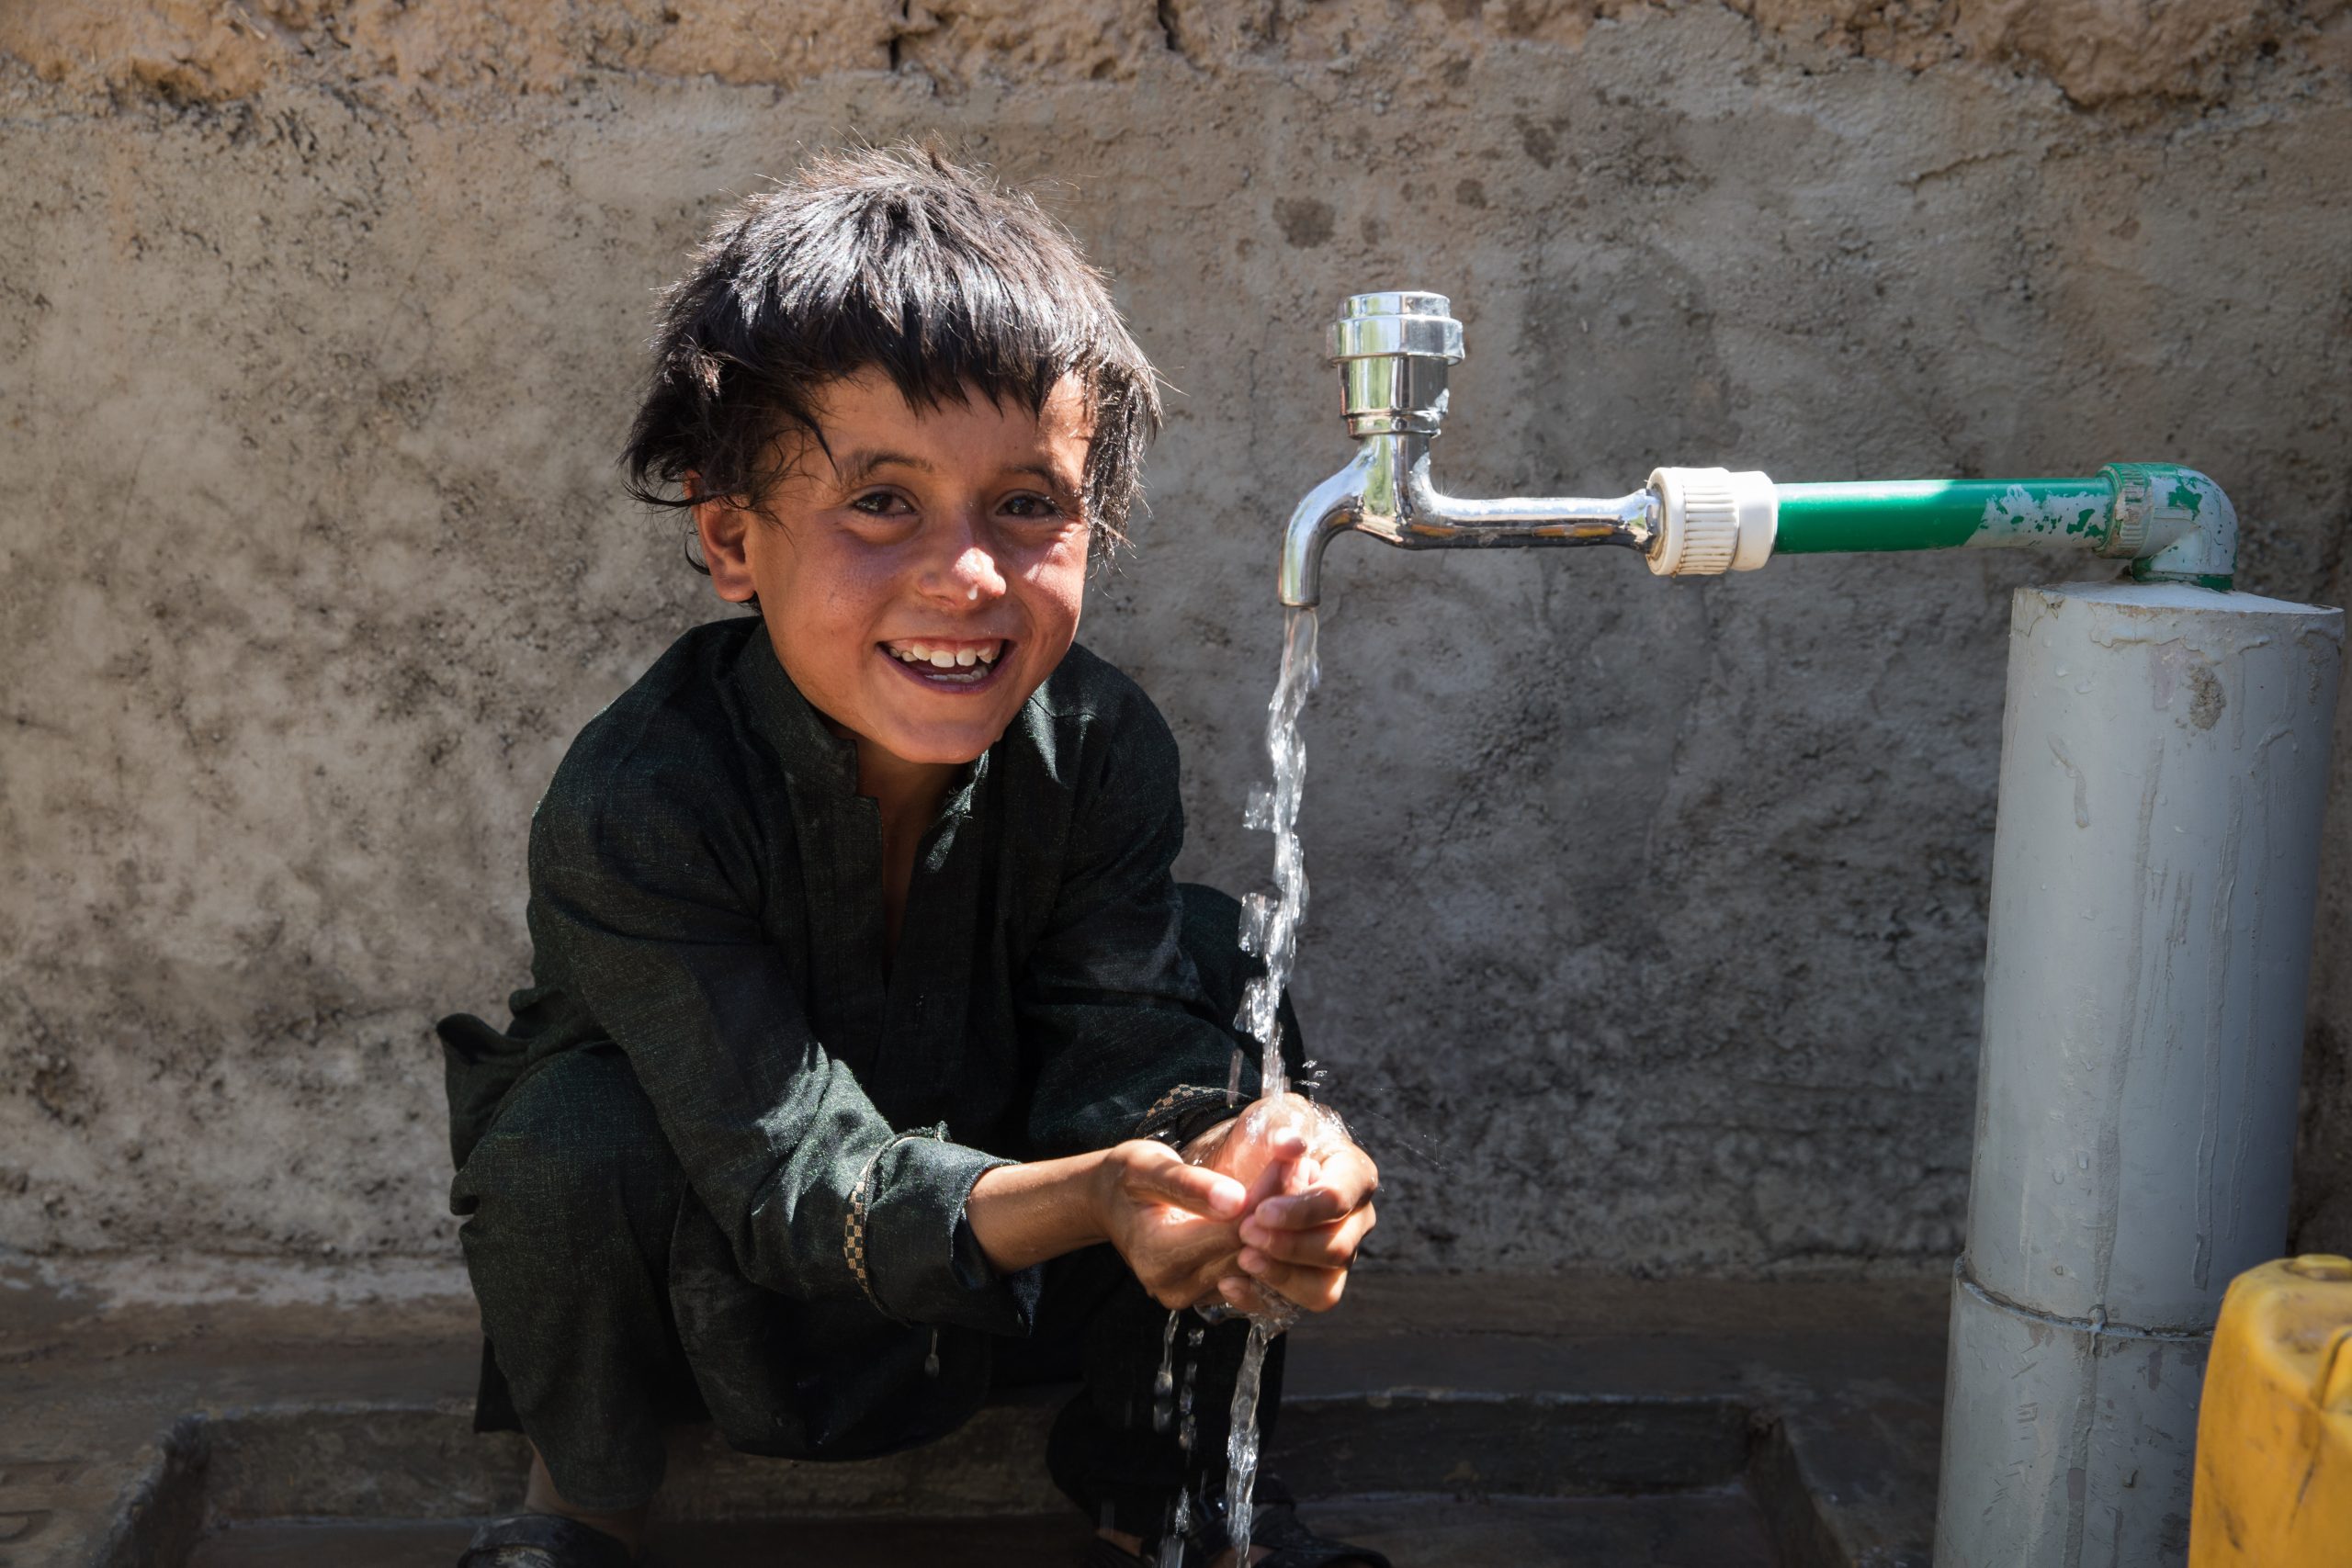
[(1647, 917)]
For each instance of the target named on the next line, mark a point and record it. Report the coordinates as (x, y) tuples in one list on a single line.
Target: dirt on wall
[(2098, 52)]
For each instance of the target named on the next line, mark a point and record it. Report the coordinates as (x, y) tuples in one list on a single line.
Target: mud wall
[(1647, 917)]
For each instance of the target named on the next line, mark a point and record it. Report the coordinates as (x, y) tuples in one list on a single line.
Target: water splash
[(1172, 1545), (1163, 1384), (1187, 1428)]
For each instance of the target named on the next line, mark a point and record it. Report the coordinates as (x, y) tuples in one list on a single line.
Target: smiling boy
[(869, 1032)]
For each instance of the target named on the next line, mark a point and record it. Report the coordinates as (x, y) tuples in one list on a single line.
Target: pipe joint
[(2172, 524), (1712, 521)]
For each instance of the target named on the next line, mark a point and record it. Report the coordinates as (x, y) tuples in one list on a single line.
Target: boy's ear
[(724, 529)]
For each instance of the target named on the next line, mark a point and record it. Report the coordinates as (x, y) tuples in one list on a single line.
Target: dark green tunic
[(706, 895)]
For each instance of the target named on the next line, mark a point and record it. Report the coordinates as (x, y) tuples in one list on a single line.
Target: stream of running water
[(1270, 928), (1270, 922)]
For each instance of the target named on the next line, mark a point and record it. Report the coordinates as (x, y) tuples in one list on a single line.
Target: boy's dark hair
[(892, 259)]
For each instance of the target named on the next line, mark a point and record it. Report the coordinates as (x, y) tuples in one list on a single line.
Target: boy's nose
[(964, 572), (975, 577)]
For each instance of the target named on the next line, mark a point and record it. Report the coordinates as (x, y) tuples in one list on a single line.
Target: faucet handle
[(1393, 350), (1401, 321)]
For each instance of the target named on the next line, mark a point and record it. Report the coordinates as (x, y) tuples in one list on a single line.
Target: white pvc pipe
[(2164, 763)]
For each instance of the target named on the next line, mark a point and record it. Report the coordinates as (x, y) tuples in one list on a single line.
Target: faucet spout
[(1386, 491), (1331, 507)]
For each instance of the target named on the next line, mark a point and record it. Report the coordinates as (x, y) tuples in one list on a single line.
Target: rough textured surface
[(2098, 52), (1648, 918), (2322, 1221)]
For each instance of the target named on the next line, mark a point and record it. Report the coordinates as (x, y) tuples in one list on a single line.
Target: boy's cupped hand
[(1280, 1198)]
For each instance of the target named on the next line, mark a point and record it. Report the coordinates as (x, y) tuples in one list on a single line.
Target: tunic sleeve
[(1126, 1041), (648, 906)]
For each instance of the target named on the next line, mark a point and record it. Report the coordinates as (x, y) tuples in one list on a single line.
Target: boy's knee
[(576, 1142)]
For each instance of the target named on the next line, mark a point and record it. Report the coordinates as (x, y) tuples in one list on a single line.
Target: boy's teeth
[(946, 658)]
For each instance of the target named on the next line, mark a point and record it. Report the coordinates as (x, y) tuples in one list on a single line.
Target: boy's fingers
[(1288, 1149), (1324, 1246), (1184, 1258), (1203, 1192), (1194, 1188), (1245, 1294), (1346, 1181), (1316, 1289), (1302, 1210), (1237, 1294), (1317, 1205)]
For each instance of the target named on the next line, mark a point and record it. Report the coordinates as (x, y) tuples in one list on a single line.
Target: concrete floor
[(1716, 1528), (1446, 1419)]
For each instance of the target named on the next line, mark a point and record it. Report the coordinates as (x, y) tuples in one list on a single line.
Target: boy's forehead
[(868, 408)]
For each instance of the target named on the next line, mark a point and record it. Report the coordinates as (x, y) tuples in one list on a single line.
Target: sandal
[(543, 1540)]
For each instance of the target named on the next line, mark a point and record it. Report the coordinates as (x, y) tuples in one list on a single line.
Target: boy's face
[(923, 579)]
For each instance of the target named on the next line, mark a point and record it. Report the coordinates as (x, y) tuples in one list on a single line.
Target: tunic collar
[(806, 744)]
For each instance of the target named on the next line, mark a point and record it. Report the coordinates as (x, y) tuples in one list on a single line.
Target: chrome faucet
[(1393, 352)]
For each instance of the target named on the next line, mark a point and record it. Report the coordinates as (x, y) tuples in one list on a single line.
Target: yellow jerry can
[(2274, 1430)]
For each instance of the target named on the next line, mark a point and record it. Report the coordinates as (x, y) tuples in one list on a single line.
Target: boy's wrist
[(1025, 1214), (1105, 1190)]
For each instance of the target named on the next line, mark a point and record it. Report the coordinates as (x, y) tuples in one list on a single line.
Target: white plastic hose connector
[(1712, 521)]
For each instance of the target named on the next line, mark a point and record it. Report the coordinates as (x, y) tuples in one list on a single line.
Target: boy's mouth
[(948, 663)]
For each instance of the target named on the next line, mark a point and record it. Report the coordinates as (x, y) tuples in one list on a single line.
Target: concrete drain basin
[(1433, 1478)]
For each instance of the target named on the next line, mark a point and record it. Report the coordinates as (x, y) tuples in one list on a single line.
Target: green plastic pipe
[(2172, 523), (1941, 515)]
